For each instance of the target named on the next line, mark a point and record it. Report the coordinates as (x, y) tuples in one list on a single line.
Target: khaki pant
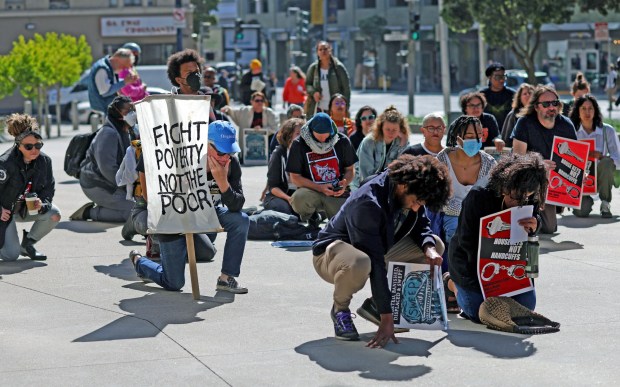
[(348, 268), (306, 201)]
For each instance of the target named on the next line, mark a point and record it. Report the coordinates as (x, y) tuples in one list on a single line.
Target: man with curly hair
[(384, 220)]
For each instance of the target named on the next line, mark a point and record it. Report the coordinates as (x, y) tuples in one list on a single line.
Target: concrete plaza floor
[(83, 318)]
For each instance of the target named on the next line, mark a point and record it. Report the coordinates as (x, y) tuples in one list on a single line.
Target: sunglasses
[(546, 104), (221, 154), (499, 77), (259, 100), (368, 118), (340, 103), (29, 147)]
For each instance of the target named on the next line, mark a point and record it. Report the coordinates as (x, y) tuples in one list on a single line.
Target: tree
[(37, 64), (516, 24), (202, 12), (373, 28)]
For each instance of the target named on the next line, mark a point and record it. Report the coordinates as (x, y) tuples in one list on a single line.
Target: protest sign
[(255, 147), (174, 135), (418, 299), (589, 183), (501, 264), (566, 180)]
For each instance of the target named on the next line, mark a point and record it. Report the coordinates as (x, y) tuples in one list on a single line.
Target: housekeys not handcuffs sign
[(501, 264)]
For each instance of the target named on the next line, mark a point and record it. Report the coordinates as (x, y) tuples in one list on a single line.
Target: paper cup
[(30, 204)]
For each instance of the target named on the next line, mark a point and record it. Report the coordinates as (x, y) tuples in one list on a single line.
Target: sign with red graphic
[(501, 263), (566, 180), (323, 168), (589, 183)]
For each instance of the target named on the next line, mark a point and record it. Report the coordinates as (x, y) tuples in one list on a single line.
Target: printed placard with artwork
[(566, 180), (324, 168), (501, 256), (255, 147), (418, 299)]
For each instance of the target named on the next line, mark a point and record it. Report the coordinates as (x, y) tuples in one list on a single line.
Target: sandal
[(451, 305)]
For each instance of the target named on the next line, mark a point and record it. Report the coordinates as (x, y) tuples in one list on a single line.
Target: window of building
[(430, 2), (132, 3), (14, 4), (284, 5), (113, 3), (399, 3), (59, 4), (366, 3), (253, 4), (340, 4)]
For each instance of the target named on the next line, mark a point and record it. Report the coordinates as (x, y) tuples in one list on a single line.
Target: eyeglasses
[(546, 104), (29, 147), (499, 77), (340, 103), (323, 49), (368, 118), (221, 154), (434, 129), (474, 106), (259, 100)]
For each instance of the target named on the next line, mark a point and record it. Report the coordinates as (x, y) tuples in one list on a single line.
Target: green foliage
[(513, 24), (202, 9), (7, 86), (602, 6), (373, 28)]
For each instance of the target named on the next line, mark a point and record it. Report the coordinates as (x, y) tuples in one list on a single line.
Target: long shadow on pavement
[(151, 313), (593, 220), (499, 345), (85, 227), (14, 267), (339, 356)]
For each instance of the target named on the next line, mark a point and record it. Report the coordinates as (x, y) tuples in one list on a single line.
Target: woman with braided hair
[(469, 167), (517, 180)]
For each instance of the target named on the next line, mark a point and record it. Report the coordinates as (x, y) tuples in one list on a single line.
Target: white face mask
[(131, 118)]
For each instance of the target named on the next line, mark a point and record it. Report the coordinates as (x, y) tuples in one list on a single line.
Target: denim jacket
[(373, 158)]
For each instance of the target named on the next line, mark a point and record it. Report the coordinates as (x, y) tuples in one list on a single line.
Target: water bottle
[(532, 250)]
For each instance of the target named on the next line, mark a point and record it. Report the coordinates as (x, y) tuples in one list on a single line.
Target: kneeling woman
[(515, 181), (25, 172)]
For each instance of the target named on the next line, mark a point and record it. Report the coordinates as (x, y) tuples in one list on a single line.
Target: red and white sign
[(589, 183), (566, 180), (127, 26), (601, 32), (501, 263), (178, 14)]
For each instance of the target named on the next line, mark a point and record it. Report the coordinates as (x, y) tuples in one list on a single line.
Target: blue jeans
[(450, 223), (170, 274), (469, 301)]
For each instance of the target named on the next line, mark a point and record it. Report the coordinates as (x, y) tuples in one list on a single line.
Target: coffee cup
[(30, 200)]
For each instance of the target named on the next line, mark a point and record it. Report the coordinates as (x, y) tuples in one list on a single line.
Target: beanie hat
[(255, 64), (496, 66), (321, 123)]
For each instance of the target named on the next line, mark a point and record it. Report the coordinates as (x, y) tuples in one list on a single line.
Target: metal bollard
[(95, 121), (74, 115)]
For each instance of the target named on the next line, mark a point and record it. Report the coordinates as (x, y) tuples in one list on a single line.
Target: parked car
[(153, 76), (85, 113), (514, 79)]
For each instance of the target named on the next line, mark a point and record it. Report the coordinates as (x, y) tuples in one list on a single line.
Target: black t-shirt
[(321, 168), (540, 139), (356, 139), (499, 103), (416, 150), (257, 120)]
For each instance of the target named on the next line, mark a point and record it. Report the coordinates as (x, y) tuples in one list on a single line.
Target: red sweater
[(294, 93)]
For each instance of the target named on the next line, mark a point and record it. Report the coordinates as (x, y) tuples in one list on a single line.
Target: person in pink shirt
[(135, 90)]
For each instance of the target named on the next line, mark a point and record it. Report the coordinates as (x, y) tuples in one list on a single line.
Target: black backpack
[(273, 225), (76, 153)]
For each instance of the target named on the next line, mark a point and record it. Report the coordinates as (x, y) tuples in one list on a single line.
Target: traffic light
[(238, 30), (414, 26), (303, 24), (206, 30)]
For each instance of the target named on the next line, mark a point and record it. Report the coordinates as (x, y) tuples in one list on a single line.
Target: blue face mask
[(472, 147)]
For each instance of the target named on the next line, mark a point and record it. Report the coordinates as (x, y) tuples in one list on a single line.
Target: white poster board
[(174, 135)]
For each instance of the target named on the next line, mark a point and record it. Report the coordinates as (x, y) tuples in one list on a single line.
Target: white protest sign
[(174, 135)]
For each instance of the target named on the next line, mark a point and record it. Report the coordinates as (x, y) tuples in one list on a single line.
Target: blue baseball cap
[(224, 136), (321, 123)]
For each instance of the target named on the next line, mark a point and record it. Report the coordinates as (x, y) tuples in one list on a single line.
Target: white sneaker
[(605, 209)]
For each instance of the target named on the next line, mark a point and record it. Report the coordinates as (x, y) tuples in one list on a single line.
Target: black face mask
[(194, 80)]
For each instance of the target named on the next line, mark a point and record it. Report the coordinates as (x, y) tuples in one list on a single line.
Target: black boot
[(28, 249), (128, 230)]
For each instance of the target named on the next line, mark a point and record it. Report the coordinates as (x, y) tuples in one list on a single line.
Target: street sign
[(178, 14), (395, 36), (601, 32)]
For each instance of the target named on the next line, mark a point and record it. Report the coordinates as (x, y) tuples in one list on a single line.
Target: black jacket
[(233, 198), (15, 175), (276, 172), (366, 221)]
